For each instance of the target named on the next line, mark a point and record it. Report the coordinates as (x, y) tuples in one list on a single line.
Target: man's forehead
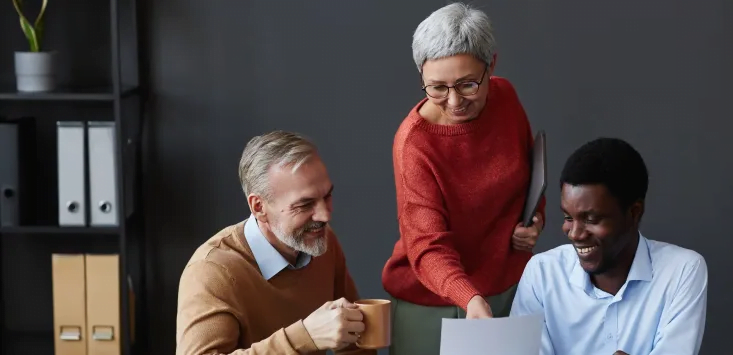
[(303, 194), (584, 197), (308, 179)]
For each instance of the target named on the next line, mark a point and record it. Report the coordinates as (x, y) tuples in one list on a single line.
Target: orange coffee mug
[(377, 323)]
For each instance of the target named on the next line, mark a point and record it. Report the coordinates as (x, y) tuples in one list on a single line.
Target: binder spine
[(72, 172), (103, 203)]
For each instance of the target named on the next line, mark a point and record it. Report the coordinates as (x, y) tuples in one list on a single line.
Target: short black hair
[(611, 162)]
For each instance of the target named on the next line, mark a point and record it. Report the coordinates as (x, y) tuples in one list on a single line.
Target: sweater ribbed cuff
[(299, 338), (461, 291)]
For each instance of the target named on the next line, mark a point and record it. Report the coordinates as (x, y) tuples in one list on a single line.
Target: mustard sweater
[(225, 306)]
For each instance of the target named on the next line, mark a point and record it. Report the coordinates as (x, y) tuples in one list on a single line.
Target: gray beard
[(296, 240)]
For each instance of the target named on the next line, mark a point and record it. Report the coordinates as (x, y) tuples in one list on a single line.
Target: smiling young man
[(612, 289), (276, 283)]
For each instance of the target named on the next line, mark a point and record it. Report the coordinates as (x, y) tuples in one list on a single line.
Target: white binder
[(103, 174), (71, 176)]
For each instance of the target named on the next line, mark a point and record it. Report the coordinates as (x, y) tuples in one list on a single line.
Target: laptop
[(538, 182)]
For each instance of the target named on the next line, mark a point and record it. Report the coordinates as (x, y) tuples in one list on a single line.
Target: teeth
[(585, 250), (460, 109)]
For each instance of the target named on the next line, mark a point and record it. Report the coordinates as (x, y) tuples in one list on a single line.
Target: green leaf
[(39, 25), (26, 26), (18, 4), (39, 19), (30, 34)]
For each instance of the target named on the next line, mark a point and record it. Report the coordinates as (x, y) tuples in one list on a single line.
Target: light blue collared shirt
[(659, 310), (269, 260)]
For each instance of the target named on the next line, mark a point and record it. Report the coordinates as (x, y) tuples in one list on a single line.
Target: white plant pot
[(35, 71)]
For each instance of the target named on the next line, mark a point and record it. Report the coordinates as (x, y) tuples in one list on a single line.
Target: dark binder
[(17, 172)]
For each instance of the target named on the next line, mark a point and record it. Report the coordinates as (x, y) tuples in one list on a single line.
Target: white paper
[(518, 335)]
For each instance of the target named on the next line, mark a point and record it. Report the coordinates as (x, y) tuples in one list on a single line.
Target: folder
[(538, 178), (102, 174), (69, 304), (103, 304), (71, 174), (17, 172)]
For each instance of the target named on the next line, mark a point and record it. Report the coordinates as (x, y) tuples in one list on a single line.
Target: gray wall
[(657, 73)]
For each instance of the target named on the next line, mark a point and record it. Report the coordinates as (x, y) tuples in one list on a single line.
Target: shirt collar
[(641, 268), (269, 260)]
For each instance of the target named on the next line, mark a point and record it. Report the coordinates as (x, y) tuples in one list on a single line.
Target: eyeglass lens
[(465, 89)]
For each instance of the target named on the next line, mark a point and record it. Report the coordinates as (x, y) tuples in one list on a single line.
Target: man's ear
[(257, 207), (637, 211)]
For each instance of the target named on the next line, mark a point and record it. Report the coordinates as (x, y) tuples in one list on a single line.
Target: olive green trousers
[(416, 329)]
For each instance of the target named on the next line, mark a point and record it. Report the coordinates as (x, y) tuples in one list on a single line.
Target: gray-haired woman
[(462, 167)]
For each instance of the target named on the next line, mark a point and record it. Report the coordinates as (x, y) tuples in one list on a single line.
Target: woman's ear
[(492, 65)]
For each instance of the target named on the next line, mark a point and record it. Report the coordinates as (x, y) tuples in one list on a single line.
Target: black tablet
[(538, 182)]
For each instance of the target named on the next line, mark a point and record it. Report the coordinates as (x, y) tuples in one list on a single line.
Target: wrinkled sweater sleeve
[(207, 324), (424, 229)]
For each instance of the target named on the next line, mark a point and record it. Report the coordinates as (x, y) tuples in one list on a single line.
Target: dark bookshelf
[(101, 65), (93, 93), (59, 230), (29, 342)]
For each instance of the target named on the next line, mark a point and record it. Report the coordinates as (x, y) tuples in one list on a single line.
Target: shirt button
[(610, 336)]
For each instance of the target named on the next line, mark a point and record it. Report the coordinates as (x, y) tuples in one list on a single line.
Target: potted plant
[(34, 69)]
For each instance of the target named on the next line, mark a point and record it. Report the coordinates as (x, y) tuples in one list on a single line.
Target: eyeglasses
[(465, 88)]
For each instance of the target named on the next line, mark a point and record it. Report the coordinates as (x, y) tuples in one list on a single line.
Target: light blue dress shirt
[(268, 259), (659, 310)]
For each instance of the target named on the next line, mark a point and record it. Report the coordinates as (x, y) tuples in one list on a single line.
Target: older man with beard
[(276, 283)]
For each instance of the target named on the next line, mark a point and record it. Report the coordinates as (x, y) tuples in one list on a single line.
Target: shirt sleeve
[(207, 324), (683, 323), (345, 287), (528, 301), (424, 231)]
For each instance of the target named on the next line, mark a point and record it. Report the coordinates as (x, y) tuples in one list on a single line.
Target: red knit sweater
[(460, 193)]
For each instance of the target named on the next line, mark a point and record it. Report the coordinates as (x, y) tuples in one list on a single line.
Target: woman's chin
[(460, 118), (457, 116)]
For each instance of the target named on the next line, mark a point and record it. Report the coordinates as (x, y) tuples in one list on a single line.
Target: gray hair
[(276, 148), (451, 30)]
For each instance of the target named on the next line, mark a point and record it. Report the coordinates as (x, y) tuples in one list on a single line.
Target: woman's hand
[(525, 238), (478, 308)]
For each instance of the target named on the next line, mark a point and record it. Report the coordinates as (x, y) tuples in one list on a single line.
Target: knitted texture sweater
[(226, 306), (460, 190)]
